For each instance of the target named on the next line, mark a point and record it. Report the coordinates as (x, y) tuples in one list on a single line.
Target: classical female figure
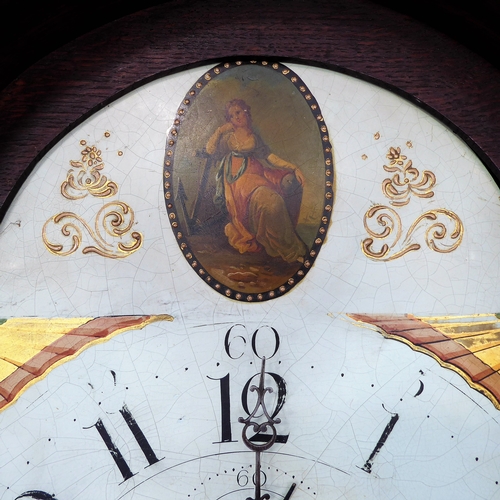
[(252, 184)]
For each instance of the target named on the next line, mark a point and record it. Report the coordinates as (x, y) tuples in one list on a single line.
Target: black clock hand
[(290, 491), (258, 427)]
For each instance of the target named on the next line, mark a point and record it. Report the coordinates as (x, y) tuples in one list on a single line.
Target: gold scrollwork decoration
[(406, 180), (115, 219), (439, 236), (88, 179)]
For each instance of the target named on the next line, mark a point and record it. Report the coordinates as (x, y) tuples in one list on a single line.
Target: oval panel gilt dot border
[(286, 157)]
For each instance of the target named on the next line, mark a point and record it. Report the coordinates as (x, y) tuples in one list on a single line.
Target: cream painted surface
[(36, 282), (343, 385)]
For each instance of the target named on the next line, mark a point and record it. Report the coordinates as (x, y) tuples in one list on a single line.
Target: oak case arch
[(261, 46)]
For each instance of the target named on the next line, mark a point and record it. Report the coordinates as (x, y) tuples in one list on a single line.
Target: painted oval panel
[(249, 179)]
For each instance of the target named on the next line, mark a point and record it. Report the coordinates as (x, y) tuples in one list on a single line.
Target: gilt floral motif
[(86, 177), (406, 181), (440, 228), (110, 235)]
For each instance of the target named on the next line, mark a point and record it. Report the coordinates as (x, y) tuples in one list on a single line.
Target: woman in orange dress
[(250, 182)]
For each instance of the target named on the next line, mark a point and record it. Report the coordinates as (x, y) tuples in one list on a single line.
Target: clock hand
[(259, 426), (290, 491)]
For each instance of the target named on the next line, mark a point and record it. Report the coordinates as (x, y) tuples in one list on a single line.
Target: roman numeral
[(115, 452), (383, 438)]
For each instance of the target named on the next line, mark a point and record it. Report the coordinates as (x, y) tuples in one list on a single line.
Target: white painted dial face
[(353, 424), (93, 406)]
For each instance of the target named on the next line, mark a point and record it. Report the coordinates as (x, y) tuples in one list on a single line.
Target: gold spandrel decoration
[(479, 335), (87, 179), (406, 180), (115, 219), (32, 347), (443, 235), (443, 228), (111, 235), (468, 345)]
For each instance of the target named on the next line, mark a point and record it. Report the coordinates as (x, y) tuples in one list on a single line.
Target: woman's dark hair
[(240, 103)]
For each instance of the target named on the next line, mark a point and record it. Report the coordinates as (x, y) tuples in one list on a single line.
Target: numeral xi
[(115, 451)]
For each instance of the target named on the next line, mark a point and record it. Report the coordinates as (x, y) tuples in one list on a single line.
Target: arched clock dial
[(252, 280), (167, 424)]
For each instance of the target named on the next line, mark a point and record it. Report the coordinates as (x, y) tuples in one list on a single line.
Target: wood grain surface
[(357, 37)]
